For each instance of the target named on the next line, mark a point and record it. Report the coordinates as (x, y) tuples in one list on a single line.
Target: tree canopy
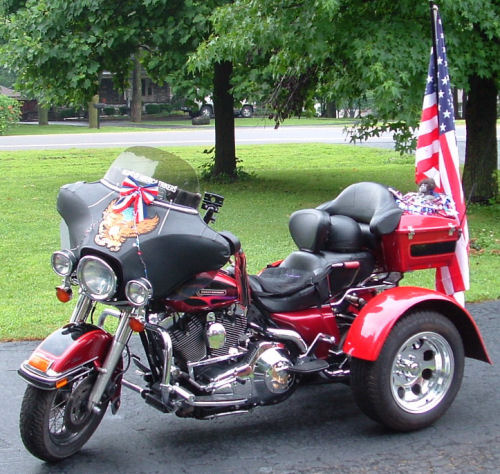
[(347, 49), (58, 49)]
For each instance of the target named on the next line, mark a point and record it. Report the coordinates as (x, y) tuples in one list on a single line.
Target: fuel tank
[(206, 291)]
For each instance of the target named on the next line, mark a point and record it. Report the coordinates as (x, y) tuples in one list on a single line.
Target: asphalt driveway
[(318, 430)]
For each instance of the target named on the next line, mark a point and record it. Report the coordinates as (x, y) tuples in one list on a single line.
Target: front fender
[(375, 321), (64, 354)]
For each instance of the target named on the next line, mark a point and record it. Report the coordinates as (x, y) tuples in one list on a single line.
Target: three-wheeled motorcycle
[(218, 341)]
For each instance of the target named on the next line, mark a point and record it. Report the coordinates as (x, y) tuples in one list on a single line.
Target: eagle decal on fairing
[(115, 228)]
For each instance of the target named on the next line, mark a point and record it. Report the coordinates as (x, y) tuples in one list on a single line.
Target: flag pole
[(433, 12)]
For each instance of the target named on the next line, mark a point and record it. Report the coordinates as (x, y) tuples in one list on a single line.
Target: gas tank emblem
[(211, 292), (116, 228)]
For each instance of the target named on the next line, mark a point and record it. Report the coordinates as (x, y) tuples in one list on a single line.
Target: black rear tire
[(416, 376), (55, 424)]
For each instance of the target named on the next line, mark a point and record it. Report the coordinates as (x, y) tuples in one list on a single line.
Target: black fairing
[(174, 242)]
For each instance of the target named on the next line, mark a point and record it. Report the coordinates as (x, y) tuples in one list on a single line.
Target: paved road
[(318, 430), (179, 137), (204, 136)]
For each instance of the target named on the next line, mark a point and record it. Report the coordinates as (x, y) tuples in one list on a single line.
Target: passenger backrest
[(368, 203), (309, 229)]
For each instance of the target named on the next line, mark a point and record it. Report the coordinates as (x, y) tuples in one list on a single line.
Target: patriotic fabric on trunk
[(437, 158), (133, 195)]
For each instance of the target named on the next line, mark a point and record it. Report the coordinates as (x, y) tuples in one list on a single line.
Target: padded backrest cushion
[(369, 203), (345, 235), (309, 229)]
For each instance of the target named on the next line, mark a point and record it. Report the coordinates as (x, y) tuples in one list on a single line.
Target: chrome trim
[(108, 312), (133, 386), (72, 261), (212, 360), (288, 335), (83, 308), (167, 352), (320, 337), (227, 413), (422, 372), (120, 340), (104, 198), (44, 378), (381, 287), (145, 285)]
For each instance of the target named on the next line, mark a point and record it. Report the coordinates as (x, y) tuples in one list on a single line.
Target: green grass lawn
[(283, 178)]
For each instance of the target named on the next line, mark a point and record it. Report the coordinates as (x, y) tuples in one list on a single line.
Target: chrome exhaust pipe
[(288, 335)]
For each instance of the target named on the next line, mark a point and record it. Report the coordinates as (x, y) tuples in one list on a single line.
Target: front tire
[(55, 424), (416, 376)]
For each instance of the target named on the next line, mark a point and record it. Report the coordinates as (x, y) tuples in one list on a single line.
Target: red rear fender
[(370, 329)]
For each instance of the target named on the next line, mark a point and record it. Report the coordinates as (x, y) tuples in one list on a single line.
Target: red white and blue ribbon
[(132, 194)]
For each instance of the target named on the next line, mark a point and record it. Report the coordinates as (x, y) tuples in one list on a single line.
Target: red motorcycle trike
[(218, 341)]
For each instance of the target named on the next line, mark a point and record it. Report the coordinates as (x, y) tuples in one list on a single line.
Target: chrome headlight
[(63, 262), (138, 292), (97, 279)]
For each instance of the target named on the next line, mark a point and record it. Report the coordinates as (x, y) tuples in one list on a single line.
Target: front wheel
[(55, 424), (416, 376)]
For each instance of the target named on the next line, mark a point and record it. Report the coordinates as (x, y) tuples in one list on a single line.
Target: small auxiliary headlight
[(63, 262), (138, 292)]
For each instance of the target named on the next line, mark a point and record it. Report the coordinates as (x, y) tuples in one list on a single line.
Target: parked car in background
[(206, 108)]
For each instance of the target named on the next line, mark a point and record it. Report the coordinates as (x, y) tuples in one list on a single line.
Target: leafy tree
[(348, 49), (59, 49), (10, 112)]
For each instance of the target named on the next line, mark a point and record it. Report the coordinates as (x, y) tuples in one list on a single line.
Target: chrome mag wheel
[(422, 372)]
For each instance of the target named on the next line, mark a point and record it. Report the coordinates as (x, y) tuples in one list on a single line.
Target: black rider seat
[(346, 229)]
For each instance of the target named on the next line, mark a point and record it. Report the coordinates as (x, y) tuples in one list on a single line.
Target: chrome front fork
[(114, 355), (83, 309), (84, 306)]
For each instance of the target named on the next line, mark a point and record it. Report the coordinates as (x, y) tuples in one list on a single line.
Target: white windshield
[(151, 165)]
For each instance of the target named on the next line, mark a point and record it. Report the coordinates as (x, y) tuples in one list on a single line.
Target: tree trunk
[(331, 110), (43, 115), (136, 104), (458, 115), (481, 160), (93, 112), (225, 148)]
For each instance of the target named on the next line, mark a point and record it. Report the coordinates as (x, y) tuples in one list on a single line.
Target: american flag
[(437, 158)]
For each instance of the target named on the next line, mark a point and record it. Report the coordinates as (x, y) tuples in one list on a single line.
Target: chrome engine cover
[(271, 370), (259, 377)]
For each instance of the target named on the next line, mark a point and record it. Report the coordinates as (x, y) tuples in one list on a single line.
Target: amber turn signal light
[(39, 362), (63, 294), (136, 325)]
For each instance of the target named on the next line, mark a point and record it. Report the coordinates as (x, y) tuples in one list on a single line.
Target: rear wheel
[(55, 424), (416, 376)]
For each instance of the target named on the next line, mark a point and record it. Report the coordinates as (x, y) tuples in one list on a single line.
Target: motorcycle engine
[(207, 335), (214, 349)]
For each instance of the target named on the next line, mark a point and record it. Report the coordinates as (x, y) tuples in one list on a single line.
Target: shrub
[(65, 112), (152, 108), (109, 111), (10, 111), (124, 110)]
